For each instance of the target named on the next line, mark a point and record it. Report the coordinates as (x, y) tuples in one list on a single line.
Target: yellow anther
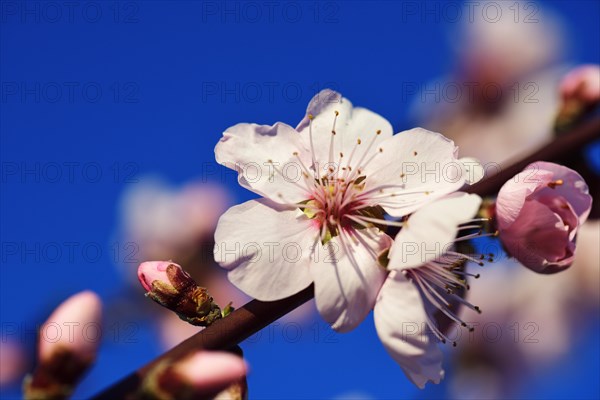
[(553, 185)]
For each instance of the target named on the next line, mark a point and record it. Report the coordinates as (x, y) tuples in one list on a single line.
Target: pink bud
[(210, 371), (74, 326), (582, 83), (539, 212), (151, 271)]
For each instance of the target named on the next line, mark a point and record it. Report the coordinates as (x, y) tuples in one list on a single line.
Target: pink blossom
[(210, 371), (582, 83), (151, 271), (74, 326), (539, 212), (13, 363)]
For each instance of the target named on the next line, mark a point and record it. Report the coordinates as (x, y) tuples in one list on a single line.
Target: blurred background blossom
[(529, 322), (499, 100)]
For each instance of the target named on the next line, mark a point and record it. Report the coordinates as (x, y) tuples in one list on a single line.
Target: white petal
[(346, 285), (473, 170), (400, 320), (417, 166), (264, 158), (352, 123), (266, 248), (431, 230)]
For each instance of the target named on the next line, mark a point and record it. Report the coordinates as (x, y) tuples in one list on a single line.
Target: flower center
[(336, 204)]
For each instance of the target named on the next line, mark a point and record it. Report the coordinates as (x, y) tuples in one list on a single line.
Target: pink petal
[(264, 157), (539, 239), (573, 189), (514, 193), (74, 325), (151, 271), (431, 230), (266, 248), (582, 83), (347, 278), (400, 320), (418, 166), (211, 371)]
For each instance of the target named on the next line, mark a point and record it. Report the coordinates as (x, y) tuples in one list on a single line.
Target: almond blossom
[(539, 212), (327, 186), (425, 274)]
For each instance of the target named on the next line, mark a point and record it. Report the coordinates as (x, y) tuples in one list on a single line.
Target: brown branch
[(256, 315), (223, 334), (563, 148)]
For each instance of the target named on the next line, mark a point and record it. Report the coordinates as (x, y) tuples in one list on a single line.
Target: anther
[(358, 141), (381, 149), (556, 183), (414, 153), (379, 131), (310, 116), (336, 113)]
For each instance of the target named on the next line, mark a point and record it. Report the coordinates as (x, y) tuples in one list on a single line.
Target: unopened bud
[(203, 375), (64, 359), (169, 285), (580, 92)]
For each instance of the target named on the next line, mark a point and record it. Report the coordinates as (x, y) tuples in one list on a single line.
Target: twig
[(562, 148), (256, 315), (223, 334)]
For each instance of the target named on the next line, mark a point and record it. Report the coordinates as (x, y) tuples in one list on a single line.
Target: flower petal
[(431, 230), (539, 239), (351, 124), (573, 189), (400, 319), (266, 248), (474, 171), (346, 285), (414, 167), (264, 158)]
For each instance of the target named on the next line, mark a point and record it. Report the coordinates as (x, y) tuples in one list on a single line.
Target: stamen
[(376, 220), (332, 136), (554, 184), (358, 165), (276, 169), (312, 146)]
